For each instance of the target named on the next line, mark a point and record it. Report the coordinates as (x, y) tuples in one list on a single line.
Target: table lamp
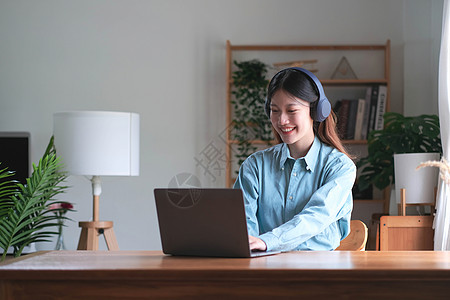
[(95, 144)]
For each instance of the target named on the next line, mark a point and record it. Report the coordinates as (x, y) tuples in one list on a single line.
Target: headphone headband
[(323, 105)]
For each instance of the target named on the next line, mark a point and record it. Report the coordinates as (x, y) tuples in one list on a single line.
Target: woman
[(298, 193)]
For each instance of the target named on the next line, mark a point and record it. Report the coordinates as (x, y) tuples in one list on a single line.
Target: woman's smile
[(287, 130)]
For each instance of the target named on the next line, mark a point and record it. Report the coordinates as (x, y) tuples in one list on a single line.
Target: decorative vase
[(60, 241)]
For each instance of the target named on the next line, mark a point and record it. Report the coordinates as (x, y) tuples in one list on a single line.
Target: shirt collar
[(309, 158), (313, 153), (284, 151)]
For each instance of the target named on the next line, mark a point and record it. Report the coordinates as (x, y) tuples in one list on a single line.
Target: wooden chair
[(411, 228), (357, 238), (406, 233)]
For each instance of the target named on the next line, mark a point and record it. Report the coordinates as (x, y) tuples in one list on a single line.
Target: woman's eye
[(292, 111)]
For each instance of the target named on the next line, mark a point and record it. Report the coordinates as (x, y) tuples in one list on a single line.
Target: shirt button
[(307, 168), (290, 197), (282, 169), (295, 174)]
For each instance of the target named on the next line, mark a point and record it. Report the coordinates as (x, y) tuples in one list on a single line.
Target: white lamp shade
[(97, 143)]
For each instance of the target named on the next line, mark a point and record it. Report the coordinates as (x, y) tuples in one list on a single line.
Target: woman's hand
[(256, 244)]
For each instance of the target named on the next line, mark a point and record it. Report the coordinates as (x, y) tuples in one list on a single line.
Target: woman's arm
[(331, 202), (247, 181)]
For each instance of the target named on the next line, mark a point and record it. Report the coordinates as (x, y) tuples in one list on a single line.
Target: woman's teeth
[(287, 129)]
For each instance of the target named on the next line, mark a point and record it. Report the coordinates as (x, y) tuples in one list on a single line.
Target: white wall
[(165, 60), (422, 34)]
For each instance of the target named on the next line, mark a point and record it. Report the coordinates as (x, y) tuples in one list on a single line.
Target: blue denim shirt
[(298, 204)]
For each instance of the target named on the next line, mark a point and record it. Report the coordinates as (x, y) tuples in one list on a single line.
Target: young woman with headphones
[(298, 193)]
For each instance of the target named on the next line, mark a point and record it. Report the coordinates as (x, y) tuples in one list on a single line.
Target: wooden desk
[(149, 274)]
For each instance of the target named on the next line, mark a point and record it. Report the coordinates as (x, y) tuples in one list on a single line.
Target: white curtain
[(442, 218)]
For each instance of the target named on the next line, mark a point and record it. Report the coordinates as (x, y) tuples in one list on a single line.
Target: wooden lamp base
[(90, 232)]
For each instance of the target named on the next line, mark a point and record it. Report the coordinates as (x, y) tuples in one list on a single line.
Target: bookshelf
[(366, 57)]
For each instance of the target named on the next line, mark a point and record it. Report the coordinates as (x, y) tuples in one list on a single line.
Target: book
[(359, 119), (373, 109), (381, 107), (365, 123), (351, 120)]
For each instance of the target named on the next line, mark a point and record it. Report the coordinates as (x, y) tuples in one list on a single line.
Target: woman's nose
[(284, 119)]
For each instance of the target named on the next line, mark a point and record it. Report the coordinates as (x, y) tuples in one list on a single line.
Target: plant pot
[(419, 184)]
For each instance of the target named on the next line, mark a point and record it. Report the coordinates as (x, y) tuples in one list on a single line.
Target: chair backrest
[(406, 233), (357, 238)]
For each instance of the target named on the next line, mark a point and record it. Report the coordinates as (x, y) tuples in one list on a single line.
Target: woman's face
[(290, 116)]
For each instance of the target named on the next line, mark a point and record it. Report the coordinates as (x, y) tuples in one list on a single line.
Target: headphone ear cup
[(323, 109), (323, 106)]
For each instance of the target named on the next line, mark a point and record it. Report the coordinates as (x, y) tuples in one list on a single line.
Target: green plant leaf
[(25, 217), (8, 188), (400, 135), (249, 119)]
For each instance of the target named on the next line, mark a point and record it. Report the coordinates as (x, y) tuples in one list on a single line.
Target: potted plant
[(25, 214), (418, 134), (249, 122)]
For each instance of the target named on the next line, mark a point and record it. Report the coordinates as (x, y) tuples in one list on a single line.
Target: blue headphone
[(323, 106)]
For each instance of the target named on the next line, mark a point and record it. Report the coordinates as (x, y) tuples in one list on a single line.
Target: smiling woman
[(298, 193)]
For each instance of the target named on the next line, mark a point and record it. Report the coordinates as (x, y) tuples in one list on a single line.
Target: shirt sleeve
[(331, 202), (247, 181)]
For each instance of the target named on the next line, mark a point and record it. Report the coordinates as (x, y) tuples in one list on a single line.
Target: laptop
[(203, 222)]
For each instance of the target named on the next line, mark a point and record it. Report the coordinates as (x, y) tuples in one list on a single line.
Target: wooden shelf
[(346, 83), (305, 47), (256, 142), (261, 142), (354, 142), (352, 81), (369, 200)]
